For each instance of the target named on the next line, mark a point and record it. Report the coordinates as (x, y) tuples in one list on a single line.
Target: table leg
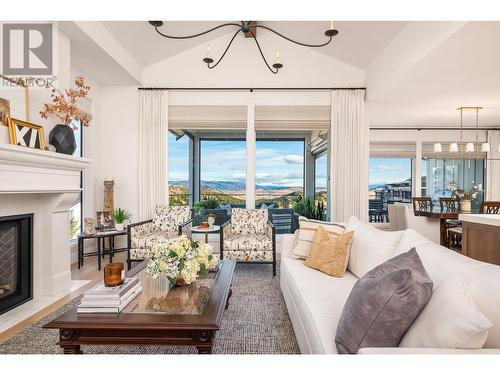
[(79, 252), (111, 248), (99, 253), (204, 349), (206, 237), (443, 234), (228, 297), (71, 349)]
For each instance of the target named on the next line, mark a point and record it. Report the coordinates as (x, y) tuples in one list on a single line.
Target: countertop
[(486, 219)]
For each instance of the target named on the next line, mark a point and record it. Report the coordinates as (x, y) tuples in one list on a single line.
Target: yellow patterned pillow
[(330, 254)]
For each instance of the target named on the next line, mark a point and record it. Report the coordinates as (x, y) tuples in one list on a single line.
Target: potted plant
[(466, 197), (181, 262), (120, 216), (211, 219), (64, 107), (305, 206)]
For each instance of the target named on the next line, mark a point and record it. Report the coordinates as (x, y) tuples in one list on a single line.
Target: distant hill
[(228, 185)]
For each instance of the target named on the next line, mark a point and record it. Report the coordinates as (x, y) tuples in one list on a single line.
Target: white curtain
[(349, 156), (493, 167), (153, 151)]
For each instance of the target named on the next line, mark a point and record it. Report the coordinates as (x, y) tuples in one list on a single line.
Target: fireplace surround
[(16, 261)]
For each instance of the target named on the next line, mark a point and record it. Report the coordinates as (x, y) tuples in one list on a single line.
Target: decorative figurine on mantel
[(109, 204)]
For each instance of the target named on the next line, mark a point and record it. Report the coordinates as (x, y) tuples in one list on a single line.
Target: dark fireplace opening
[(16, 269)]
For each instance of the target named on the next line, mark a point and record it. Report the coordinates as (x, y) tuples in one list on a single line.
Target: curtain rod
[(429, 128), (251, 89)]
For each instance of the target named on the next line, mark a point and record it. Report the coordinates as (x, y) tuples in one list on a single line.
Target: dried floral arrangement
[(64, 105)]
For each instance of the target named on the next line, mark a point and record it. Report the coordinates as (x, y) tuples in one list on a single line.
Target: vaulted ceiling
[(416, 73)]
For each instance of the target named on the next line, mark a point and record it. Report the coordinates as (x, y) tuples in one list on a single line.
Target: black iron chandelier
[(249, 29)]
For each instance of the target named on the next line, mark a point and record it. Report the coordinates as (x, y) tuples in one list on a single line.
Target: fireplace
[(16, 270)]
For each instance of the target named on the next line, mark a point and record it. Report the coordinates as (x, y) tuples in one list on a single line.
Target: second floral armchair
[(249, 237)]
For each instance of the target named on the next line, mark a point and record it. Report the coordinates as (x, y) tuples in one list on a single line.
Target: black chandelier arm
[(225, 51), (262, 53), (196, 35), (293, 41)]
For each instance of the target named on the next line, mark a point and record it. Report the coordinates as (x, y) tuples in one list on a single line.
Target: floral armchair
[(249, 237), (167, 224)]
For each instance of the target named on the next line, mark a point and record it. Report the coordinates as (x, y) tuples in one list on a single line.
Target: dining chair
[(490, 207), (422, 204)]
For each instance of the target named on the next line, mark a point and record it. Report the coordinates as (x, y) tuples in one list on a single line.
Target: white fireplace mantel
[(45, 184), (27, 170)]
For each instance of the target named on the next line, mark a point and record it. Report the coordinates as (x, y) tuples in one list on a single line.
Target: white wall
[(243, 67), (39, 96), (117, 144)]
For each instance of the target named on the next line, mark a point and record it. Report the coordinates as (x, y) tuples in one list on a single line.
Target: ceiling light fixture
[(249, 29)]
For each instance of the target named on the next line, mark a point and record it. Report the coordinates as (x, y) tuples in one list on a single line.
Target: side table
[(101, 250)]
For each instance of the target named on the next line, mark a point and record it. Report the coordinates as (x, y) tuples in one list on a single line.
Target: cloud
[(294, 159)]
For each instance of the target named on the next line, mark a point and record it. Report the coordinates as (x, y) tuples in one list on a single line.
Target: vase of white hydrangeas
[(182, 261)]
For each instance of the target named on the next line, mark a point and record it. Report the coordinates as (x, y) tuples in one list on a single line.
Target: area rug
[(256, 322)]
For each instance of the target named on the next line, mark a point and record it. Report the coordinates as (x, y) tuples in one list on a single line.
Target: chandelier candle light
[(249, 29)]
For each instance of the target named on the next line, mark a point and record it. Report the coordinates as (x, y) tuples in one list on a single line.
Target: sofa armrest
[(426, 351), (287, 244)]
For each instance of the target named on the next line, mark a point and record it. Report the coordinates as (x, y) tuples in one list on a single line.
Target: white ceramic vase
[(465, 206), (211, 221), (119, 226)]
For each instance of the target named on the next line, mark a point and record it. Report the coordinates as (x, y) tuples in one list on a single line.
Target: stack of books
[(101, 299)]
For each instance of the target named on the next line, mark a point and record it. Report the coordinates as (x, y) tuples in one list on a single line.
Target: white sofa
[(315, 300)]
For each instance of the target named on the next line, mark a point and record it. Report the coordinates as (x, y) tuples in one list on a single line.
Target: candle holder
[(114, 274)]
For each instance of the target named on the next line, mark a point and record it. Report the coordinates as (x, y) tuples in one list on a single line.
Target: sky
[(388, 170), (277, 163)]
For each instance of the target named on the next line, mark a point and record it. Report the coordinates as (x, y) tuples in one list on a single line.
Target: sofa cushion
[(315, 302), (167, 218), (248, 221), (330, 254), (248, 242), (383, 304), (370, 246), (306, 232), (483, 279), (450, 320)]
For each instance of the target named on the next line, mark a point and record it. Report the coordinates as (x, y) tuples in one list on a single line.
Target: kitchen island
[(481, 237)]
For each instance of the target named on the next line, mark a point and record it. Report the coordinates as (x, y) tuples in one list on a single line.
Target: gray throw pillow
[(383, 304)]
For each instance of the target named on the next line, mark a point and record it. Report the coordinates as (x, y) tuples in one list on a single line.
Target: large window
[(279, 172), (320, 181), (223, 170), (437, 174), (75, 221), (389, 181), (178, 170)]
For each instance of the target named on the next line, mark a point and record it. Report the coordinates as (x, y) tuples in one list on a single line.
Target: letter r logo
[(27, 49)]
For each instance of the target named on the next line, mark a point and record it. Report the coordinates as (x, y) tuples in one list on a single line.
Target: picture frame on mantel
[(23, 133)]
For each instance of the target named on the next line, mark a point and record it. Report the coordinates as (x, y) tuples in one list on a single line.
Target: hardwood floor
[(88, 272)]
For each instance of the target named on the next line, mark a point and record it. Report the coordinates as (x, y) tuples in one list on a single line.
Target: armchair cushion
[(149, 239), (249, 256), (168, 219), (249, 221), (246, 242)]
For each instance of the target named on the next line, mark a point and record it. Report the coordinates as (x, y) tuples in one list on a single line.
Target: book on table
[(102, 299)]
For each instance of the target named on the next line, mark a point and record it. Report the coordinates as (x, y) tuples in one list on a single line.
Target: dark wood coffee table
[(160, 315)]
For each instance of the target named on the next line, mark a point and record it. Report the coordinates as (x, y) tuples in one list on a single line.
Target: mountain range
[(229, 185)]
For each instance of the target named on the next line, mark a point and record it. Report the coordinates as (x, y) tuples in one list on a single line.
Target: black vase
[(63, 139)]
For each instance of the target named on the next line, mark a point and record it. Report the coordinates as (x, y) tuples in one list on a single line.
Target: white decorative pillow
[(450, 320), (306, 231), (370, 246)]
